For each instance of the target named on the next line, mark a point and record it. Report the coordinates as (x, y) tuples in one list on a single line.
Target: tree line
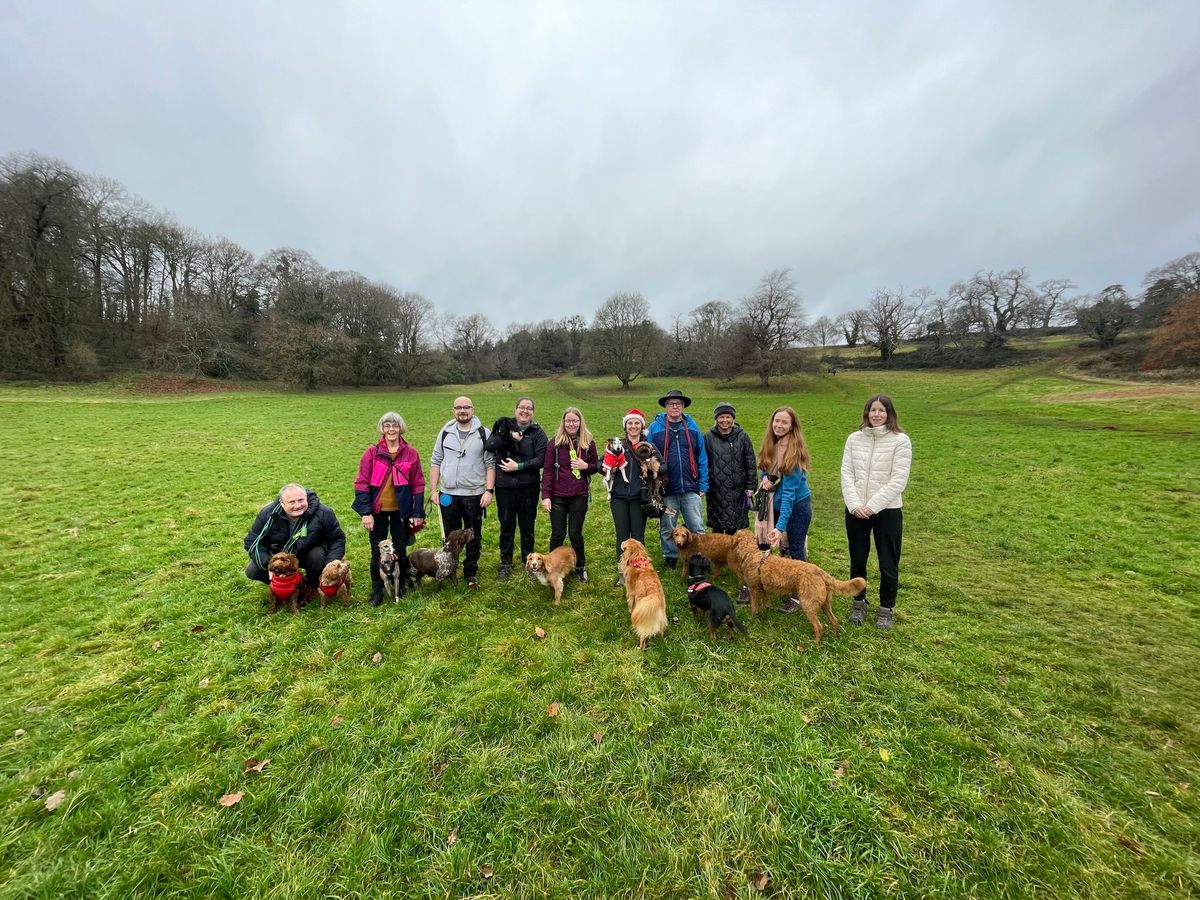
[(93, 280)]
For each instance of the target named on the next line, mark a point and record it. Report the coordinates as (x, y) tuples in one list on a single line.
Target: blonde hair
[(560, 436), (796, 455)]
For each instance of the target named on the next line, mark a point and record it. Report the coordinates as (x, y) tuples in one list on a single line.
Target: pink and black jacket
[(405, 472)]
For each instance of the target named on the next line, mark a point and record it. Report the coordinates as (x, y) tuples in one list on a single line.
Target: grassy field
[(1029, 728)]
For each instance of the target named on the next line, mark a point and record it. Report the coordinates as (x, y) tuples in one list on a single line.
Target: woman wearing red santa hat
[(626, 484)]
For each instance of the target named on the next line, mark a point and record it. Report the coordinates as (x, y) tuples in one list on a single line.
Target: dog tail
[(649, 617), (848, 588), (738, 623)]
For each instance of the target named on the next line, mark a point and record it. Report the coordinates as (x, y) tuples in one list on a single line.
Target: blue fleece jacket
[(682, 447)]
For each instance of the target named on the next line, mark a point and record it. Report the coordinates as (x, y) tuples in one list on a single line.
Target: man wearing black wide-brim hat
[(685, 463)]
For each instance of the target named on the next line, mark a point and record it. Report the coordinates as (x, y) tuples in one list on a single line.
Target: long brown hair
[(796, 455), (585, 436), (892, 424)]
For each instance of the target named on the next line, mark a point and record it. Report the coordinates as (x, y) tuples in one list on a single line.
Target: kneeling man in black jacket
[(295, 522)]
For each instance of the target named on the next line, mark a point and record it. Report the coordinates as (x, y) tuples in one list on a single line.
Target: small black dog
[(703, 595)]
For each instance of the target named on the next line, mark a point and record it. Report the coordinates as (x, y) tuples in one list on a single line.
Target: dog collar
[(700, 586), (329, 589), (641, 562)]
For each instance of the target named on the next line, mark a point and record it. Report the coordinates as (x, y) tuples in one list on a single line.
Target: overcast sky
[(528, 160)]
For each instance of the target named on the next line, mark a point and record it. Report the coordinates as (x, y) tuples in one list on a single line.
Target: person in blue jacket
[(783, 463), (679, 441)]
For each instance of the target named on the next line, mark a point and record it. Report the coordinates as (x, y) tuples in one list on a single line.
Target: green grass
[(1028, 729)]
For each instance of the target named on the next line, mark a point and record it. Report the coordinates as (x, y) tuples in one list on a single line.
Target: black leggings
[(628, 519), (388, 523), (887, 526), (568, 513)]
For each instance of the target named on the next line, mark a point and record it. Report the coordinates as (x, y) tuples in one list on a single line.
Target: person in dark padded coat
[(732, 472), (519, 445), (295, 522)]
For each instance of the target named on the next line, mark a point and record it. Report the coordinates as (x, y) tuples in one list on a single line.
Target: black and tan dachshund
[(706, 596)]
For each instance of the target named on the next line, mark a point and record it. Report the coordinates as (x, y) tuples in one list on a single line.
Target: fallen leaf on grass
[(552, 709), (597, 737), (338, 655), (54, 801), (36, 792), (203, 682), (759, 880), (232, 799), (675, 620), (73, 774), (539, 632), (366, 621), (336, 721), (885, 755), (196, 629), (452, 838), (20, 732), (253, 765), (73, 532), (1130, 844), (1153, 794), (840, 769), (806, 719), (157, 645), (377, 658), (800, 648), (485, 871)]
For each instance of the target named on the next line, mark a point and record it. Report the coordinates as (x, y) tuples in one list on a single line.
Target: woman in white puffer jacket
[(875, 468)]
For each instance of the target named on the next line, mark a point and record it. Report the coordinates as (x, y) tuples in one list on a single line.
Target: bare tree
[(1049, 301), (472, 341), (995, 302), (772, 322), (891, 318), (852, 325), (823, 332), (1110, 314), (412, 316), (1166, 285), (623, 339)]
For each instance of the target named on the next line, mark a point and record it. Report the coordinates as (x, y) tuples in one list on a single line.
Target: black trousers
[(887, 526), (628, 519), (517, 506), (566, 517), (465, 512), (312, 561), (397, 526)]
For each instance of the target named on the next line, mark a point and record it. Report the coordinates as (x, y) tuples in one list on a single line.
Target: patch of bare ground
[(1129, 393), (183, 384)]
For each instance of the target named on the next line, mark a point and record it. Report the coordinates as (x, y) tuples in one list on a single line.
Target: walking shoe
[(472, 582), (790, 605), (377, 597), (620, 579), (581, 574), (504, 573), (743, 596), (858, 611), (883, 618), (670, 561)]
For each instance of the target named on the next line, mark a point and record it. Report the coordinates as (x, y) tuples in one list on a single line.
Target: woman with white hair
[(389, 493)]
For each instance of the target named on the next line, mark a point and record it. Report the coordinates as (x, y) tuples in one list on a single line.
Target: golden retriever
[(643, 592), (551, 568)]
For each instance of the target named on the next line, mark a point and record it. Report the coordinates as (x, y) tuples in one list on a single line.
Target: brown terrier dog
[(714, 546), (551, 568), (650, 466), (643, 592), (335, 581), (441, 565), (286, 582)]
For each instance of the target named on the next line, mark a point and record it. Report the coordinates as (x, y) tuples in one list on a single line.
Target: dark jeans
[(465, 512), (628, 519), (517, 506), (568, 514), (312, 561), (887, 526), (388, 523), (797, 528)]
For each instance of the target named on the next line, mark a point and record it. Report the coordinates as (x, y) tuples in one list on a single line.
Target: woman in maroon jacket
[(389, 493), (570, 462)]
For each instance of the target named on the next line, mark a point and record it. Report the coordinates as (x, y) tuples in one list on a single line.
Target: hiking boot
[(504, 573), (670, 561), (377, 597), (790, 606), (883, 618), (858, 611), (581, 574), (743, 596), (620, 579), (472, 582)]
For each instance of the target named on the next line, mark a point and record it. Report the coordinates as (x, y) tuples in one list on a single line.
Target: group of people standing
[(516, 465)]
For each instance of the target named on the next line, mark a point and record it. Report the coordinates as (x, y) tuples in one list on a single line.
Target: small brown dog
[(811, 585), (335, 582), (441, 565), (286, 582), (551, 568), (643, 592), (650, 466), (714, 546)]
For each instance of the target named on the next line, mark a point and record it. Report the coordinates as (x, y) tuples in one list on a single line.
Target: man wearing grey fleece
[(465, 471)]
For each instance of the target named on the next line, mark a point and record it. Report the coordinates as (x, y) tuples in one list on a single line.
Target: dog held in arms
[(651, 468), (707, 597), (769, 575), (441, 565), (335, 581), (614, 462), (551, 568), (643, 592), (286, 582)]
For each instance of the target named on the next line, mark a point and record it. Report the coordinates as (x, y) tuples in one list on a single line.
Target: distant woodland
[(94, 280)]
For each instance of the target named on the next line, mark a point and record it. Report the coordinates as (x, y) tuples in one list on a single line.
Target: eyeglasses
[(524, 409), (387, 425), (468, 406)]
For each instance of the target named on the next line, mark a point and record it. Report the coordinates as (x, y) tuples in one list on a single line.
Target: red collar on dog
[(284, 587), (641, 562), (330, 589), (700, 586)]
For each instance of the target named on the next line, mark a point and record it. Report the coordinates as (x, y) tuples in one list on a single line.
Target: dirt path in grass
[(1129, 393)]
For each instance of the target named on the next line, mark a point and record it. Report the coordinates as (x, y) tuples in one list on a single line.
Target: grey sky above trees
[(530, 160)]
